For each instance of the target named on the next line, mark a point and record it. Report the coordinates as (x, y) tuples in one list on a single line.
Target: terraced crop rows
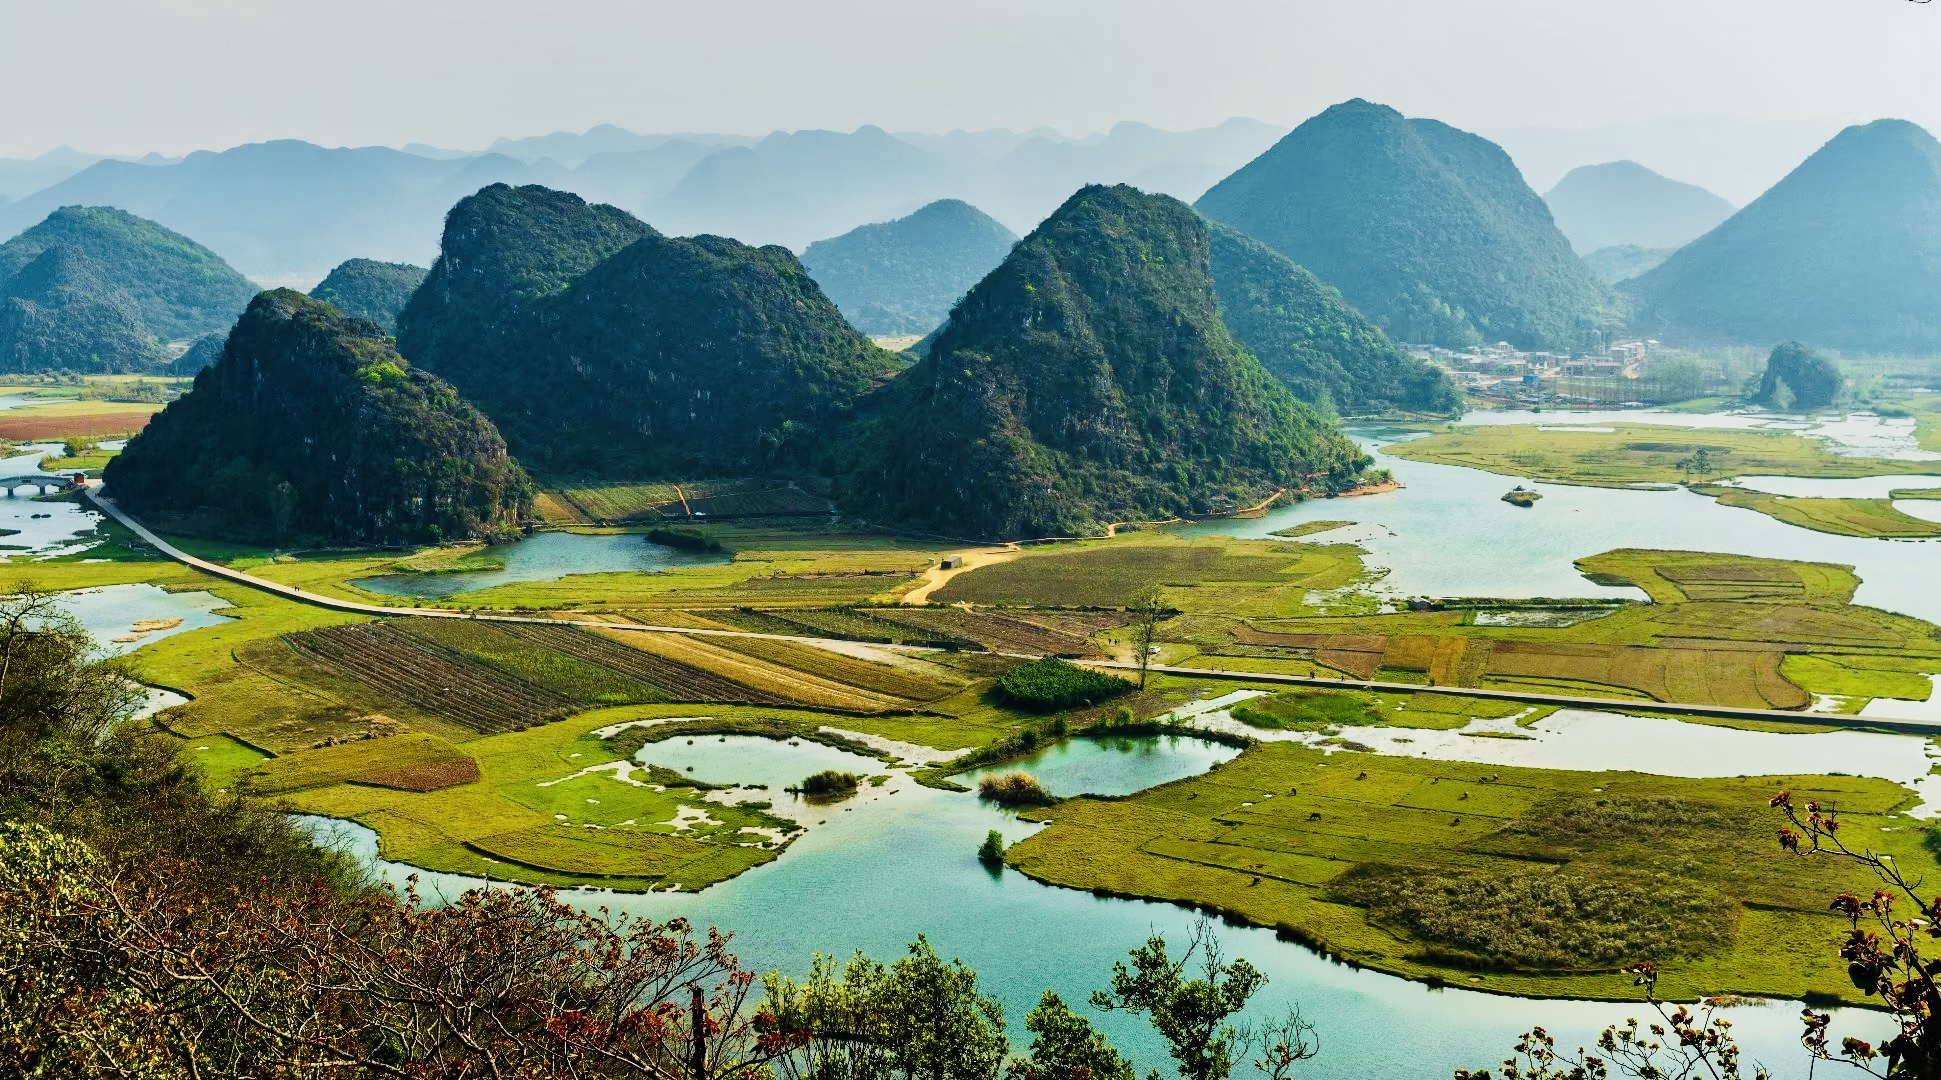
[(429, 677), (678, 681)]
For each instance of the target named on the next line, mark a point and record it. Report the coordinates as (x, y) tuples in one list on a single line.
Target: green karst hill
[(1623, 203), (1799, 378), (901, 277), (1843, 253), (311, 425), (180, 288), (370, 289), (1428, 230), (1089, 379), (60, 312), (1309, 338), (601, 347)]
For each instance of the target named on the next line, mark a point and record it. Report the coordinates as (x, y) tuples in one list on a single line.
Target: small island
[(1522, 496)]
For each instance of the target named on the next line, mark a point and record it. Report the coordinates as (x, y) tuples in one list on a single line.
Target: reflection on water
[(547, 556)]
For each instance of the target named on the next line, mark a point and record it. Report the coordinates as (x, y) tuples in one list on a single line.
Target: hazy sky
[(131, 76)]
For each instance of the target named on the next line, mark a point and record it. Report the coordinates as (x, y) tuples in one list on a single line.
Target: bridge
[(43, 483)]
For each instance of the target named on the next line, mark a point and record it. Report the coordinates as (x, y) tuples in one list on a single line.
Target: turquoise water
[(901, 865), (1113, 766), (751, 761), (111, 611), (547, 556), (1448, 533)]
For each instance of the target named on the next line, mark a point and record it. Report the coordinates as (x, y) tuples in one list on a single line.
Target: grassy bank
[(1513, 880)]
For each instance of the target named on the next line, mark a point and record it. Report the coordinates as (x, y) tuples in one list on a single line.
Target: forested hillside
[(1088, 380), (371, 290), (1843, 253), (603, 348), (1429, 231), (310, 425), (1311, 340)]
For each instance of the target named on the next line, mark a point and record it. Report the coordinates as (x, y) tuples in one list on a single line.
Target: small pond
[(546, 556), (753, 761), (1113, 766), (123, 618)]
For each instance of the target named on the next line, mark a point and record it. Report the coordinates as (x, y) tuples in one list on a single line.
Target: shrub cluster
[(1014, 789), (1051, 683), (829, 784)]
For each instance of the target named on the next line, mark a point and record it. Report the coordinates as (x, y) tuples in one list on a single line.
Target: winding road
[(107, 506)]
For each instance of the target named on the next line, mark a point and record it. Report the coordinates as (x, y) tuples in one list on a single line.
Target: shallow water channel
[(1448, 532), (546, 556), (900, 861)]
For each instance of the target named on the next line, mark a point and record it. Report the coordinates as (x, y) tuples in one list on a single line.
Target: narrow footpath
[(1633, 705)]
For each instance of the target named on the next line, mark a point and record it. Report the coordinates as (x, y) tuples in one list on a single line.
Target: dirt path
[(937, 577), (990, 556)]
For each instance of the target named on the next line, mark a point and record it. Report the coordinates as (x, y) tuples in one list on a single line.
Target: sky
[(133, 76)]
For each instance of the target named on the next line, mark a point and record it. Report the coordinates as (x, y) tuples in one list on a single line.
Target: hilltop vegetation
[(179, 288), (901, 277), (1306, 336), (371, 290), (1798, 377), (311, 424), (1428, 230), (61, 313), (1088, 380), (1624, 203), (1843, 253), (601, 347)]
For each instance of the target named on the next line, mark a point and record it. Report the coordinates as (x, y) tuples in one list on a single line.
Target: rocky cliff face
[(310, 425), (1088, 379)]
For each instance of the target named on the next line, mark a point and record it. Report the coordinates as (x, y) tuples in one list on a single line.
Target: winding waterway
[(875, 875), (899, 860), (1448, 532)]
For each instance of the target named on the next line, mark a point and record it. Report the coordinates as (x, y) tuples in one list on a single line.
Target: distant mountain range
[(286, 212), (902, 277), (1428, 230), (1844, 253), (1624, 203)]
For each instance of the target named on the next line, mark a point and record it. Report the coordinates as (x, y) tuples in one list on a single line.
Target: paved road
[(107, 505)]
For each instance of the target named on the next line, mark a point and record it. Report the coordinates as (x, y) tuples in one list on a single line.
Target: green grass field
[(1248, 577), (1640, 453), (1514, 880), (1842, 517)]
